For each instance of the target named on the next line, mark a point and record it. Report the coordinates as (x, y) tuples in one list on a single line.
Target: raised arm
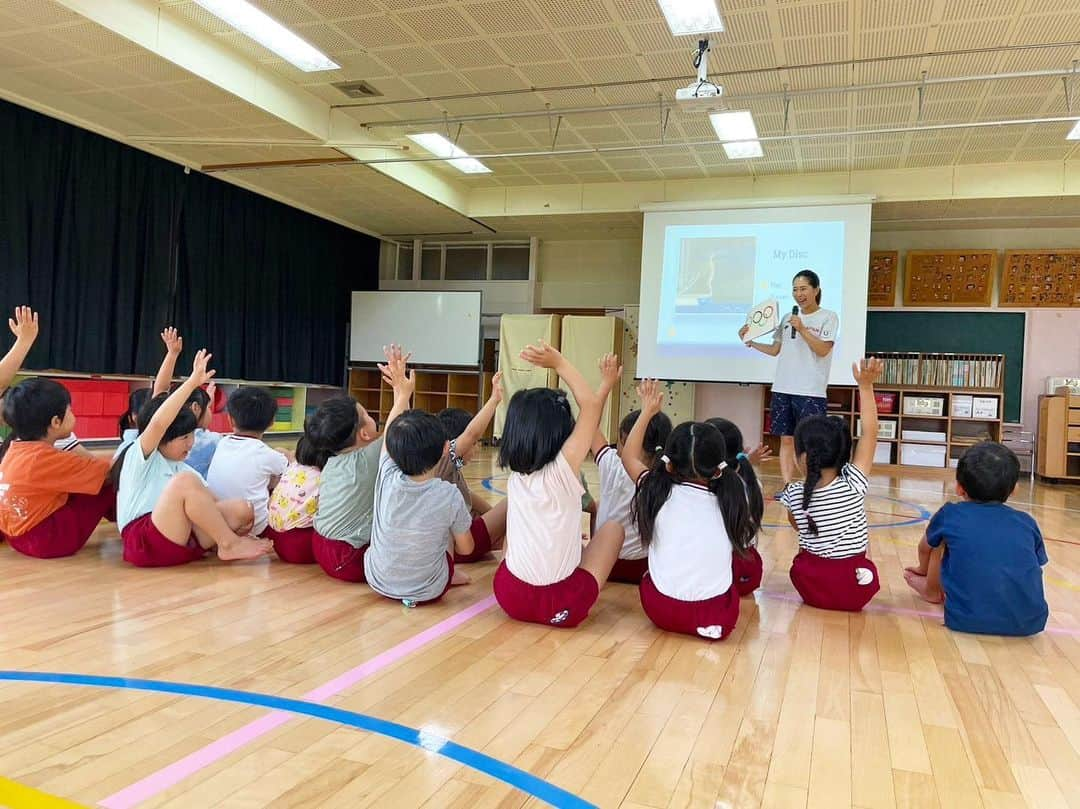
[(174, 345), (633, 450), (25, 328), (866, 373), (398, 377), (479, 424), (610, 372), (155, 430)]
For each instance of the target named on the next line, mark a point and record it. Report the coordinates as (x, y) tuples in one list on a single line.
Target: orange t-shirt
[(36, 479)]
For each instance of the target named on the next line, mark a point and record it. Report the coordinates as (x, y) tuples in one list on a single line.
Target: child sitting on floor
[(983, 558), (617, 487), (293, 504), (165, 513), (201, 403), (832, 570), (129, 428), (245, 468)]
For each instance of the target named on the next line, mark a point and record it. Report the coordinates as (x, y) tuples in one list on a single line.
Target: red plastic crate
[(96, 427), (886, 401), (115, 404), (219, 423)]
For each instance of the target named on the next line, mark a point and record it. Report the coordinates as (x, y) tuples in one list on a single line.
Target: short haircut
[(252, 409), (454, 421), (415, 440), (308, 455), (988, 472), (333, 426), (184, 423), (656, 433), (538, 422), (30, 407)]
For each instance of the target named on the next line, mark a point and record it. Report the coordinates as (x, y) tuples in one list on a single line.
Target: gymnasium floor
[(272, 685)]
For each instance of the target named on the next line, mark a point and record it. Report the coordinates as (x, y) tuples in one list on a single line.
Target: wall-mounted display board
[(1035, 278), (881, 290), (949, 277)]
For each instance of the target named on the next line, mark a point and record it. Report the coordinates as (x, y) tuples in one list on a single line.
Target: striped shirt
[(839, 511)]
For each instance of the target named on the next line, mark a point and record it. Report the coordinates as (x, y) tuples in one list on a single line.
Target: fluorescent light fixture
[(737, 132), (686, 17), (269, 33), (441, 147), (1074, 134), (743, 150)]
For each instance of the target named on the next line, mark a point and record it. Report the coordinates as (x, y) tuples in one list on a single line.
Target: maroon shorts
[(146, 546), (339, 559), (482, 541), (564, 604), (712, 619), (746, 571), (66, 530), (833, 584), (292, 546), (629, 571)]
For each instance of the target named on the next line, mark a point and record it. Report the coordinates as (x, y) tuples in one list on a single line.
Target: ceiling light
[(1075, 133), (737, 132), (269, 33), (743, 150), (441, 147), (685, 17)]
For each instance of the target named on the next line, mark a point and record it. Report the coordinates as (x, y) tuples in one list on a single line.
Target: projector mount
[(701, 92)]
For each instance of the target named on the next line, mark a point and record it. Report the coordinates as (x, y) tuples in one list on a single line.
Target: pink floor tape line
[(158, 782)]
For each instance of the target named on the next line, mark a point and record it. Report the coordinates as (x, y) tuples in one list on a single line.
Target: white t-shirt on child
[(242, 469), (616, 495), (799, 371), (543, 523), (690, 552)]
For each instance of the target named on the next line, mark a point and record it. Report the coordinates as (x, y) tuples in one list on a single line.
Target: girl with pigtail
[(832, 570), (692, 514)]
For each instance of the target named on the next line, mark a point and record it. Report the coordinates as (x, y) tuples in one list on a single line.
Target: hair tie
[(658, 449), (719, 470), (665, 459), (742, 456)]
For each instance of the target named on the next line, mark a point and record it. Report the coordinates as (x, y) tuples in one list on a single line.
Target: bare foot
[(917, 571), (460, 579), (243, 548), (919, 584)]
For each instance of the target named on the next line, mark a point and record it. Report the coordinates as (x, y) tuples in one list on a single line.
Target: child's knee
[(184, 484)]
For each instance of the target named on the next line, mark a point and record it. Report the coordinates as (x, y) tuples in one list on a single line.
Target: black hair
[(656, 433), (332, 427), (184, 424), (415, 440), (308, 455), (988, 472), (826, 440), (454, 421), (252, 409), (696, 452), (30, 407), (136, 399), (538, 422), (812, 279), (201, 398), (733, 443)]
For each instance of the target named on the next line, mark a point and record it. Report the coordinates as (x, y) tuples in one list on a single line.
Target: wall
[(588, 273)]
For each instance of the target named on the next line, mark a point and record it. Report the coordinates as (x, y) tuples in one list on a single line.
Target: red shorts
[(712, 619), (338, 558), (832, 584), (66, 530), (292, 546), (482, 540), (564, 604), (629, 571), (746, 571), (146, 546)]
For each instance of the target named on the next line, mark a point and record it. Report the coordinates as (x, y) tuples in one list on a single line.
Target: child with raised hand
[(419, 518), (201, 403), (294, 502), (129, 429), (832, 570), (748, 567), (166, 515), (617, 487), (692, 514), (546, 577), (50, 500), (981, 557)]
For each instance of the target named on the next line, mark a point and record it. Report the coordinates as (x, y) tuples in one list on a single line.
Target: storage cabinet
[(1058, 456)]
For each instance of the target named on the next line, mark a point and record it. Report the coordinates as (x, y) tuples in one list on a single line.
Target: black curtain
[(111, 244)]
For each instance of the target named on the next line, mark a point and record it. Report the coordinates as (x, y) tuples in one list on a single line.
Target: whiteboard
[(439, 328)]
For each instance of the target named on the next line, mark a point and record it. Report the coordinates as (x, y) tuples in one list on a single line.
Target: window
[(510, 262), (431, 264), (404, 262), (466, 263)]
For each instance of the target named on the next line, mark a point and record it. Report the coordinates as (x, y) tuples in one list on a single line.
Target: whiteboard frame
[(419, 363)]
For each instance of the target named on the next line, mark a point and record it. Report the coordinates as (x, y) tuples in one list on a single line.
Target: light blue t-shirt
[(142, 480), (129, 435), (202, 451)]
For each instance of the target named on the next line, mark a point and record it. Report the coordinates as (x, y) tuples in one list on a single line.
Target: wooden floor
[(799, 708)]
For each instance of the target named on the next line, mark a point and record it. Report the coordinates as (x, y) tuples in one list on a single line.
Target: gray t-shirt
[(347, 495), (411, 534)]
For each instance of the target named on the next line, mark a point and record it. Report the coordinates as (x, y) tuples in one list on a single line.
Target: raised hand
[(542, 355), (610, 370), (200, 369), (25, 324), (396, 372), (762, 452), (867, 371), (652, 398), (174, 343), (496, 387)]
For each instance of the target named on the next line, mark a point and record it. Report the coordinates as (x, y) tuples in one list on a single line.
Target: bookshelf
[(932, 423), (1058, 456), (436, 389)]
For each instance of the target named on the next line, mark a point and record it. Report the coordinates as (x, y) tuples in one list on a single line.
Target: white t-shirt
[(616, 495), (142, 480), (242, 469), (543, 523), (799, 371), (839, 512), (690, 552)]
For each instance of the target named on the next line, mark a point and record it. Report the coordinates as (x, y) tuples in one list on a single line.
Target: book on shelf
[(973, 371)]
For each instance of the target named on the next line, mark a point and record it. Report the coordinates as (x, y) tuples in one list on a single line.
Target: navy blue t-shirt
[(992, 569)]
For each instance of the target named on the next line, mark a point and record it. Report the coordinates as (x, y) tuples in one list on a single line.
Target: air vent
[(357, 89)]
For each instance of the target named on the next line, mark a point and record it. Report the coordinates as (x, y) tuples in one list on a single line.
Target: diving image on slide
[(714, 275)]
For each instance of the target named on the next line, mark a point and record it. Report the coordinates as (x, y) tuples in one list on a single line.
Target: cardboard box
[(984, 407), (923, 435), (922, 455), (886, 428), (924, 405), (883, 452), (961, 406)]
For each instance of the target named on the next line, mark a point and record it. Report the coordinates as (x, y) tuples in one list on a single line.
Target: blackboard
[(960, 333)]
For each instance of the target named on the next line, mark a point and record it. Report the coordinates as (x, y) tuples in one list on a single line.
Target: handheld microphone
[(794, 313)]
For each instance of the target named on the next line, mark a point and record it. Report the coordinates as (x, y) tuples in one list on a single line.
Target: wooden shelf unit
[(436, 389), (1058, 456)]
